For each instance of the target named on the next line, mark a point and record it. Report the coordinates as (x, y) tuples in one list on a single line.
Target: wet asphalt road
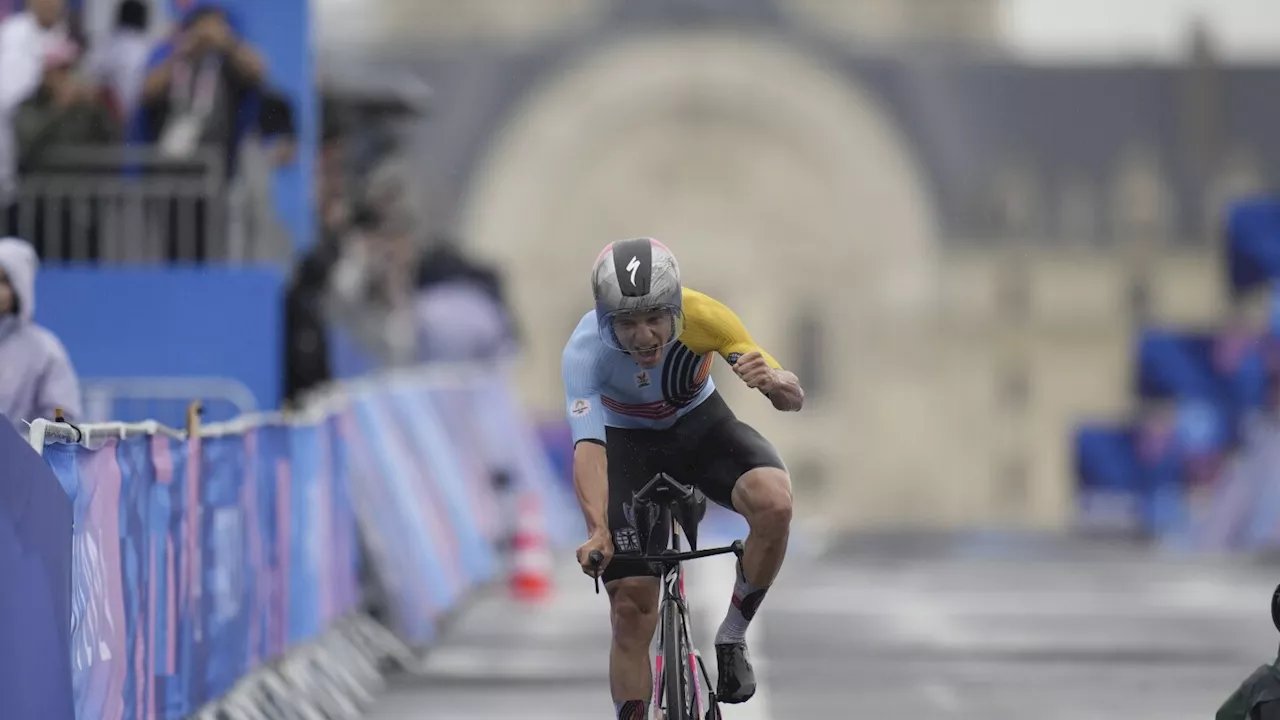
[(887, 628)]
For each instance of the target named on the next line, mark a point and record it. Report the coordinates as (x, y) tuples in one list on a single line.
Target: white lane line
[(710, 586), (882, 601), (941, 697), (526, 664)]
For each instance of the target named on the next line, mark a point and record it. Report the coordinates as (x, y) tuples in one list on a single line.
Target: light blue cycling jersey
[(605, 387)]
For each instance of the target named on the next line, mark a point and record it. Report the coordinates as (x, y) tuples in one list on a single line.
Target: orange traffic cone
[(531, 561)]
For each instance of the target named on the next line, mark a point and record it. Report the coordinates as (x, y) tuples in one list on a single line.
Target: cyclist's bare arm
[(580, 368), (712, 326), (591, 481), (787, 395)]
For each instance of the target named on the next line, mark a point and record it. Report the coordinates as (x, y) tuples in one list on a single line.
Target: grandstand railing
[(125, 204), (165, 399)]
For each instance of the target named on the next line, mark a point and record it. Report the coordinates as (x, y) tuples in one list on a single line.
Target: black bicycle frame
[(672, 557), (669, 563)]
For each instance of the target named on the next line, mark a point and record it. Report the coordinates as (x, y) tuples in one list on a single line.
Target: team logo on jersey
[(642, 379), (580, 407)]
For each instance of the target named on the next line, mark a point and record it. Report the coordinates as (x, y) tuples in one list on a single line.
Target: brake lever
[(596, 557)]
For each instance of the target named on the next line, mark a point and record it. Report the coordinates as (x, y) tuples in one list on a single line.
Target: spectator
[(200, 86), (36, 376), (462, 317), (199, 90), (333, 199), (306, 352), (119, 62), (277, 128), (255, 231), (24, 38), (371, 286), (1258, 697), (459, 307), (63, 111)]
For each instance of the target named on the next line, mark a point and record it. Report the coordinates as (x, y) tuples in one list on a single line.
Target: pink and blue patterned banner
[(196, 561)]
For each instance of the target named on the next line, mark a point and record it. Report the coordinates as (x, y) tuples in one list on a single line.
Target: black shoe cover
[(736, 680)]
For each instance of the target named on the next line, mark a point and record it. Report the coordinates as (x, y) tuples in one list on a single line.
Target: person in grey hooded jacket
[(36, 376)]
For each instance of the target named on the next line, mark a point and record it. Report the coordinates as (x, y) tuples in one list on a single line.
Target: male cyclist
[(640, 400)]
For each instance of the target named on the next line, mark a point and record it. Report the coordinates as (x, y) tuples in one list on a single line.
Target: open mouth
[(648, 354)]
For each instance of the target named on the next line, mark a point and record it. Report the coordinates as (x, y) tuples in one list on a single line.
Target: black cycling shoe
[(736, 680)]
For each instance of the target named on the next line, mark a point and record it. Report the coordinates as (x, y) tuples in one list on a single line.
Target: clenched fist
[(756, 373)]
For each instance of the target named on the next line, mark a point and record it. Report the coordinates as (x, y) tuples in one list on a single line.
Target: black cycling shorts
[(708, 448)]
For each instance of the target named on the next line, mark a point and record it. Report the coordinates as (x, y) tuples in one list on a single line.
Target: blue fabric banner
[(36, 650), (168, 568)]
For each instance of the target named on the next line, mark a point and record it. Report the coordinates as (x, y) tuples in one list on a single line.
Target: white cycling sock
[(746, 599)]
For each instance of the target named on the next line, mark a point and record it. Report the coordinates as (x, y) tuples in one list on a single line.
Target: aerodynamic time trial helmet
[(632, 277)]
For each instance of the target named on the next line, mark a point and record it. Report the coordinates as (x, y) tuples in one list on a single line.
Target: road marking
[(923, 619), (552, 665), (942, 697), (839, 600)]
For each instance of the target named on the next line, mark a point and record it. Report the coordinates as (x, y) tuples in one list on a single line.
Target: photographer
[(1258, 697), (199, 86)]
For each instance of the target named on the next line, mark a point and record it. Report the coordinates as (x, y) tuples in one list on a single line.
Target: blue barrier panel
[(99, 660), (534, 472), (404, 509), (169, 323), (480, 458), (343, 596), (188, 575), (445, 459), (271, 447), (35, 590), (137, 468), (195, 560), (1105, 458), (228, 574), (303, 486), (168, 558), (1109, 489), (1238, 508), (1173, 364), (1253, 242)]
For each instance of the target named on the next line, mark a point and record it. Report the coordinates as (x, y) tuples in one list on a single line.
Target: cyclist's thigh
[(727, 452), (633, 457)]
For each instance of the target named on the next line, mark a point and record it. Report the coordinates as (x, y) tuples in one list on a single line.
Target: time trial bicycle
[(678, 664)]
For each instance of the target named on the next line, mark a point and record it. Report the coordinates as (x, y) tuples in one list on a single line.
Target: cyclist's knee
[(633, 606), (763, 496)]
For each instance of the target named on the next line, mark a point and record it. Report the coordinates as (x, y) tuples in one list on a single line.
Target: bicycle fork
[(697, 666)]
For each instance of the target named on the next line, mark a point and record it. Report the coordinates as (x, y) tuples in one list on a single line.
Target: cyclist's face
[(644, 335)]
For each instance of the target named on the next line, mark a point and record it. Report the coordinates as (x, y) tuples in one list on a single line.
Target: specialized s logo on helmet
[(632, 267)]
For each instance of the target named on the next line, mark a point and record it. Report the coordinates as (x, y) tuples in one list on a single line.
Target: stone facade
[(963, 236)]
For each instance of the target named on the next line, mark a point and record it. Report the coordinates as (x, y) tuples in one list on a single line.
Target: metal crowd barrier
[(164, 398), (124, 204), (215, 571)]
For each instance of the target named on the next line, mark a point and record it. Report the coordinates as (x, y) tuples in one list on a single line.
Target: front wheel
[(678, 692)]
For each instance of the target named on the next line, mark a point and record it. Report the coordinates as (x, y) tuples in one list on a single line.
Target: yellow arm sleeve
[(711, 326)]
